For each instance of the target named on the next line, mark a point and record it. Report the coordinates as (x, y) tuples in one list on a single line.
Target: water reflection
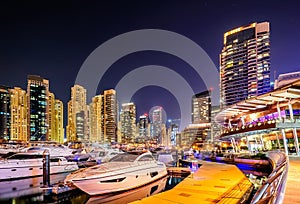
[(23, 187), (29, 191), (132, 195)]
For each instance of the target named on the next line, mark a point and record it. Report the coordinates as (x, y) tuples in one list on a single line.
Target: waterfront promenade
[(211, 183), (293, 181)]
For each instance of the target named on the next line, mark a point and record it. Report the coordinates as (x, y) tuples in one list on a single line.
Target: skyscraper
[(51, 116), (245, 63), (59, 122), (19, 115), (201, 108), (95, 119), (157, 127), (127, 120), (38, 107), (4, 113), (77, 111), (144, 127), (110, 117), (56, 129)]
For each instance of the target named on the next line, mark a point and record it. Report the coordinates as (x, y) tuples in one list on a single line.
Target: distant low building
[(286, 78)]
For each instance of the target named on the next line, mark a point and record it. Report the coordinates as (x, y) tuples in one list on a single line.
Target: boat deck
[(211, 183)]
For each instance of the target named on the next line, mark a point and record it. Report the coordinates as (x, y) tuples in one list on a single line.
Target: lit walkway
[(212, 183), (292, 190)]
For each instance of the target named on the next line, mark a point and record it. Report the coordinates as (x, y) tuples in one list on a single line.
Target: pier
[(291, 194), (211, 183)]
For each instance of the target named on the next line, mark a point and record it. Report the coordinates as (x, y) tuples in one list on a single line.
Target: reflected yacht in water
[(24, 165), (131, 195), (122, 172)]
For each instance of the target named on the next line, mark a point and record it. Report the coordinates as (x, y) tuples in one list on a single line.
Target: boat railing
[(272, 190)]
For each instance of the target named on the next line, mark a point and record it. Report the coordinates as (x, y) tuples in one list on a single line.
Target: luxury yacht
[(122, 172), (24, 165)]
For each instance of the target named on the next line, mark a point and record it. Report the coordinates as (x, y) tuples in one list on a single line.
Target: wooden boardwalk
[(292, 190), (211, 183)]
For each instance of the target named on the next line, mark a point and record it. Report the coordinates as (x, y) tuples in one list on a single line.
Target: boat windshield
[(124, 158)]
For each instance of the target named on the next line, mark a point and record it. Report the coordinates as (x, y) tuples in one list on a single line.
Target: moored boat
[(25, 165), (122, 172)]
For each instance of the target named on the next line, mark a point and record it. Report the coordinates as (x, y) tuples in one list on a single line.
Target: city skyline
[(55, 45)]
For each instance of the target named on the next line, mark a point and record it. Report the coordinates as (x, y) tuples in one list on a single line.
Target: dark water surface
[(29, 191)]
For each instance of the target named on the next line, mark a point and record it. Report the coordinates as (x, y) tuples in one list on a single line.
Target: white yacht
[(122, 172), (54, 149), (24, 165)]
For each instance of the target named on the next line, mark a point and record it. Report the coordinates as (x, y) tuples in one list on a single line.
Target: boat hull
[(33, 168), (120, 181)]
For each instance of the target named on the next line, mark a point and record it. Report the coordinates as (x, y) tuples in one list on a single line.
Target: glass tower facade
[(201, 108), (4, 113), (127, 119), (38, 107), (245, 63)]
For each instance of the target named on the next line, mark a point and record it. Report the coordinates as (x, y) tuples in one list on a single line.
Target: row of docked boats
[(30, 164)]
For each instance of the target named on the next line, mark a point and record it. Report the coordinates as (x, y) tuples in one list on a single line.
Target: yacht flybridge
[(122, 172)]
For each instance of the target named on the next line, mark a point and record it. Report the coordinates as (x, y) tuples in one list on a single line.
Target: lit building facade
[(110, 117), (128, 122), (56, 129), (194, 135), (95, 119), (157, 126), (269, 121), (19, 114), (245, 63), (4, 113), (51, 116), (77, 109), (59, 122), (38, 108), (201, 108), (216, 128), (144, 127)]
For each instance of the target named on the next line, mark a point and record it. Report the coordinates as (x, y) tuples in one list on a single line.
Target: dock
[(211, 183), (293, 181)]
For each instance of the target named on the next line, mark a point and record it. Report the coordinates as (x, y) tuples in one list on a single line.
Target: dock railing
[(273, 189)]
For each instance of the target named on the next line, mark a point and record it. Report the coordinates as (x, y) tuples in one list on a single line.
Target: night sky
[(53, 39)]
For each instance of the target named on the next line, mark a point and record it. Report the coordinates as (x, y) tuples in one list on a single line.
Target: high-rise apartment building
[(59, 122), (157, 126), (56, 129), (110, 117), (127, 122), (4, 113), (215, 129), (38, 108), (51, 116), (19, 114), (95, 119), (144, 127), (77, 129), (201, 108), (245, 63)]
